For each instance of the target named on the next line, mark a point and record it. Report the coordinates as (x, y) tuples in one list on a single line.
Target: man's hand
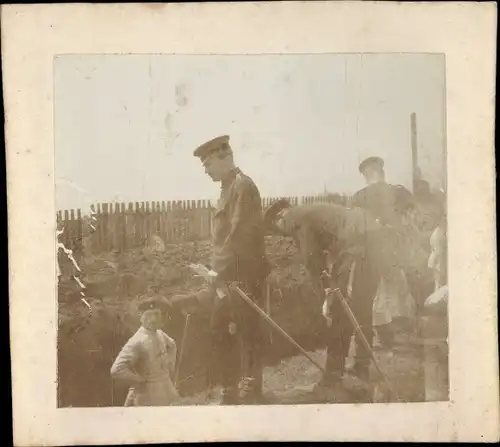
[(212, 280), (208, 275), (139, 382), (326, 309), (326, 313)]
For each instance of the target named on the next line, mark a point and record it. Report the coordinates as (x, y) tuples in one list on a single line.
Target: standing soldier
[(238, 254), (387, 203), (384, 201)]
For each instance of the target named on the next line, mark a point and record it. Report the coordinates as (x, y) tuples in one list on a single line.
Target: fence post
[(72, 232), (80, 234), (168, 221), (152, 221), (113, 226), (163, 216), (158, 219), (122, 240), (130, 225)]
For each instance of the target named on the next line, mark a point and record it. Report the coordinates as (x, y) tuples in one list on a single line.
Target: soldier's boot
[(330, 389), (360, 385), (246, 388), (386, 336), (361, 371), (230, 396), (329, 380), (251, 391)]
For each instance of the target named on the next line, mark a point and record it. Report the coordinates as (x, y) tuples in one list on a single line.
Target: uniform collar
[(376, 182), (147, 331), (230, 178)]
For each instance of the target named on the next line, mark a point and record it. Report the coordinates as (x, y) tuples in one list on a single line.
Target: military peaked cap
[(371, 161), (153, 303), (219, 144)]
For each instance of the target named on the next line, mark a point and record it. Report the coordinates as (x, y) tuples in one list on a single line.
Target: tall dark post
[(420, 353), (414, 150)]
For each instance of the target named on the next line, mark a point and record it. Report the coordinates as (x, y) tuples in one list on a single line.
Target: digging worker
[(238, 255), (147, 361), (330, 237)]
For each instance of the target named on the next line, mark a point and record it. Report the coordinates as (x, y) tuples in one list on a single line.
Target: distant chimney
[(416, 174)]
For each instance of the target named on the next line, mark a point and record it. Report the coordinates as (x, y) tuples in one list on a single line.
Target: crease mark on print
[(181, 98)]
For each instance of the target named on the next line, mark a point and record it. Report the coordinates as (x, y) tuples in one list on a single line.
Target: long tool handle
[(275, 325), (181, 353), (268, 307)]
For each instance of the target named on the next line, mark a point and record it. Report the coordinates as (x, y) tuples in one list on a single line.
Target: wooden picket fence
[(120, 226)]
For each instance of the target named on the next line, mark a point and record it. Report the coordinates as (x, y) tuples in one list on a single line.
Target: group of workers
[(352, 245)]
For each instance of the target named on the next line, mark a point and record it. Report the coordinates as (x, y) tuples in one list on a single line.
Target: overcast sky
[(126, 126)]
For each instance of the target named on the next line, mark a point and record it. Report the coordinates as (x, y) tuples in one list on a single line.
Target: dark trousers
[(421, 285), (240, 354), (364, 289)]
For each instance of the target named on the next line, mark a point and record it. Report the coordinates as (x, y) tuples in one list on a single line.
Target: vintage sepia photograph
[(230, 222), (251, 229)]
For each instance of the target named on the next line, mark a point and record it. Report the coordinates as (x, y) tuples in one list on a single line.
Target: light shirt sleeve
[(171, 352), (125, 363)]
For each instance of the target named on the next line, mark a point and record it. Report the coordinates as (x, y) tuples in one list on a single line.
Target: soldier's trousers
[(421, 287), (364, 289), (239, 354)]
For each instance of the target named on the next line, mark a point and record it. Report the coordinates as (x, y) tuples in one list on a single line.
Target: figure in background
[(147, 361), (393, 304), (421, 223), (438, 260), (388, 204)]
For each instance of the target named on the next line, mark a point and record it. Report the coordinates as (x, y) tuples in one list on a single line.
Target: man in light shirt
[(147, 360)]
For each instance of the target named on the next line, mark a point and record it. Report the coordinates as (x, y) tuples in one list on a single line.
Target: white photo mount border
[(34, 34)]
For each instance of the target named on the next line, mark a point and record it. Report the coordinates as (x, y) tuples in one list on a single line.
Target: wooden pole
[(181, 353), (414, 149), (335, 291), (235, 288), (268, 306), (361, 336)]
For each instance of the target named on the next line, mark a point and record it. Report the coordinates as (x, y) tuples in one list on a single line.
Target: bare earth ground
[(292, 380), (90, 340)]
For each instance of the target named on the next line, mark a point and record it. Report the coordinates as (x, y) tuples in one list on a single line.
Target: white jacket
[(152, 356)]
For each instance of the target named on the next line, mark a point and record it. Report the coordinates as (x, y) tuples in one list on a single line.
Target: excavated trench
[(88, 342)]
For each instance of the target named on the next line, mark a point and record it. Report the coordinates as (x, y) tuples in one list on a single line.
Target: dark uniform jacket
[(238, 246), (399, 242), (384, 201)]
